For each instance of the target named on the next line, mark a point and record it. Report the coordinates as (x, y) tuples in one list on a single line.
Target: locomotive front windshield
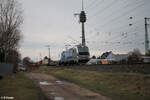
[(84, 53), (83, 50)]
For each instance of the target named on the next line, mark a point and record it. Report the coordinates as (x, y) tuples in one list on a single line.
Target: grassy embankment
[(118, 86), (20, 87)]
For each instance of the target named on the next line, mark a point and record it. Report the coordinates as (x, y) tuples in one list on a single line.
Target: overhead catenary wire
[(125, 13), (116, 19), (117, 40), (110, 30), (117, 35), (91, 4), (103, 9), (95, 5), (116, 11), (122, 28)]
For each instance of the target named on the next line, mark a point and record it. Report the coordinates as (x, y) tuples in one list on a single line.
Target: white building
[(109, 57), (117, 57)]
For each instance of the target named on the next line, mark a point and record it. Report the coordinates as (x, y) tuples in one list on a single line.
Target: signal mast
[(82, 19)]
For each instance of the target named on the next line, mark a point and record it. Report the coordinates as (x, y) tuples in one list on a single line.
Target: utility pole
[(146, 37), (40, 56), (48, 46)]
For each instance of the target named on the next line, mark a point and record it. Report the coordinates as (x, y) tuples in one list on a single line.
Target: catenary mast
[(146, 37)]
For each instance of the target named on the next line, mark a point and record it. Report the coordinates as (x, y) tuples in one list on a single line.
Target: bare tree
[(10, 21), (135, 56), (135, 52), (26, 61)]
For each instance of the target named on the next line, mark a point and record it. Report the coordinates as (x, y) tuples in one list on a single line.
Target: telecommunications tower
[(82, 19)]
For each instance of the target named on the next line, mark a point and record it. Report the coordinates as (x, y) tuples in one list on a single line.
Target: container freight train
[(76, 55)]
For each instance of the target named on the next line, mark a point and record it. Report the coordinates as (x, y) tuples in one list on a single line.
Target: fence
[(6, 69)]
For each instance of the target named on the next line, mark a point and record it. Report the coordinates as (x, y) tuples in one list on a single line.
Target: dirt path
[(55, 89)]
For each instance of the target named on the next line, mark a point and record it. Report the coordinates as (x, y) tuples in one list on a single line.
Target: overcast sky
[(52, 22)]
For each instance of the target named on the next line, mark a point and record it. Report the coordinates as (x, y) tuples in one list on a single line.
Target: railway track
[(136, 68)]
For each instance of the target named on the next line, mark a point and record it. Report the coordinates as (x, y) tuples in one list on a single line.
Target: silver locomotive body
[(75, 55), (83, 54)]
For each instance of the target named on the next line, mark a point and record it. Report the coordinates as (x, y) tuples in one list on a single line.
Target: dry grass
[(19, 87), (118, 86)]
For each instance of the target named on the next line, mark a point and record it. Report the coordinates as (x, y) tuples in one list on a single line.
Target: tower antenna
[(82, 5)]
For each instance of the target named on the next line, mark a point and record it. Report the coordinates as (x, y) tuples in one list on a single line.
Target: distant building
[(105, 55), (146, 59), (114, 57), (120, 57), (45, 61), (92, 61), (108, 57)]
